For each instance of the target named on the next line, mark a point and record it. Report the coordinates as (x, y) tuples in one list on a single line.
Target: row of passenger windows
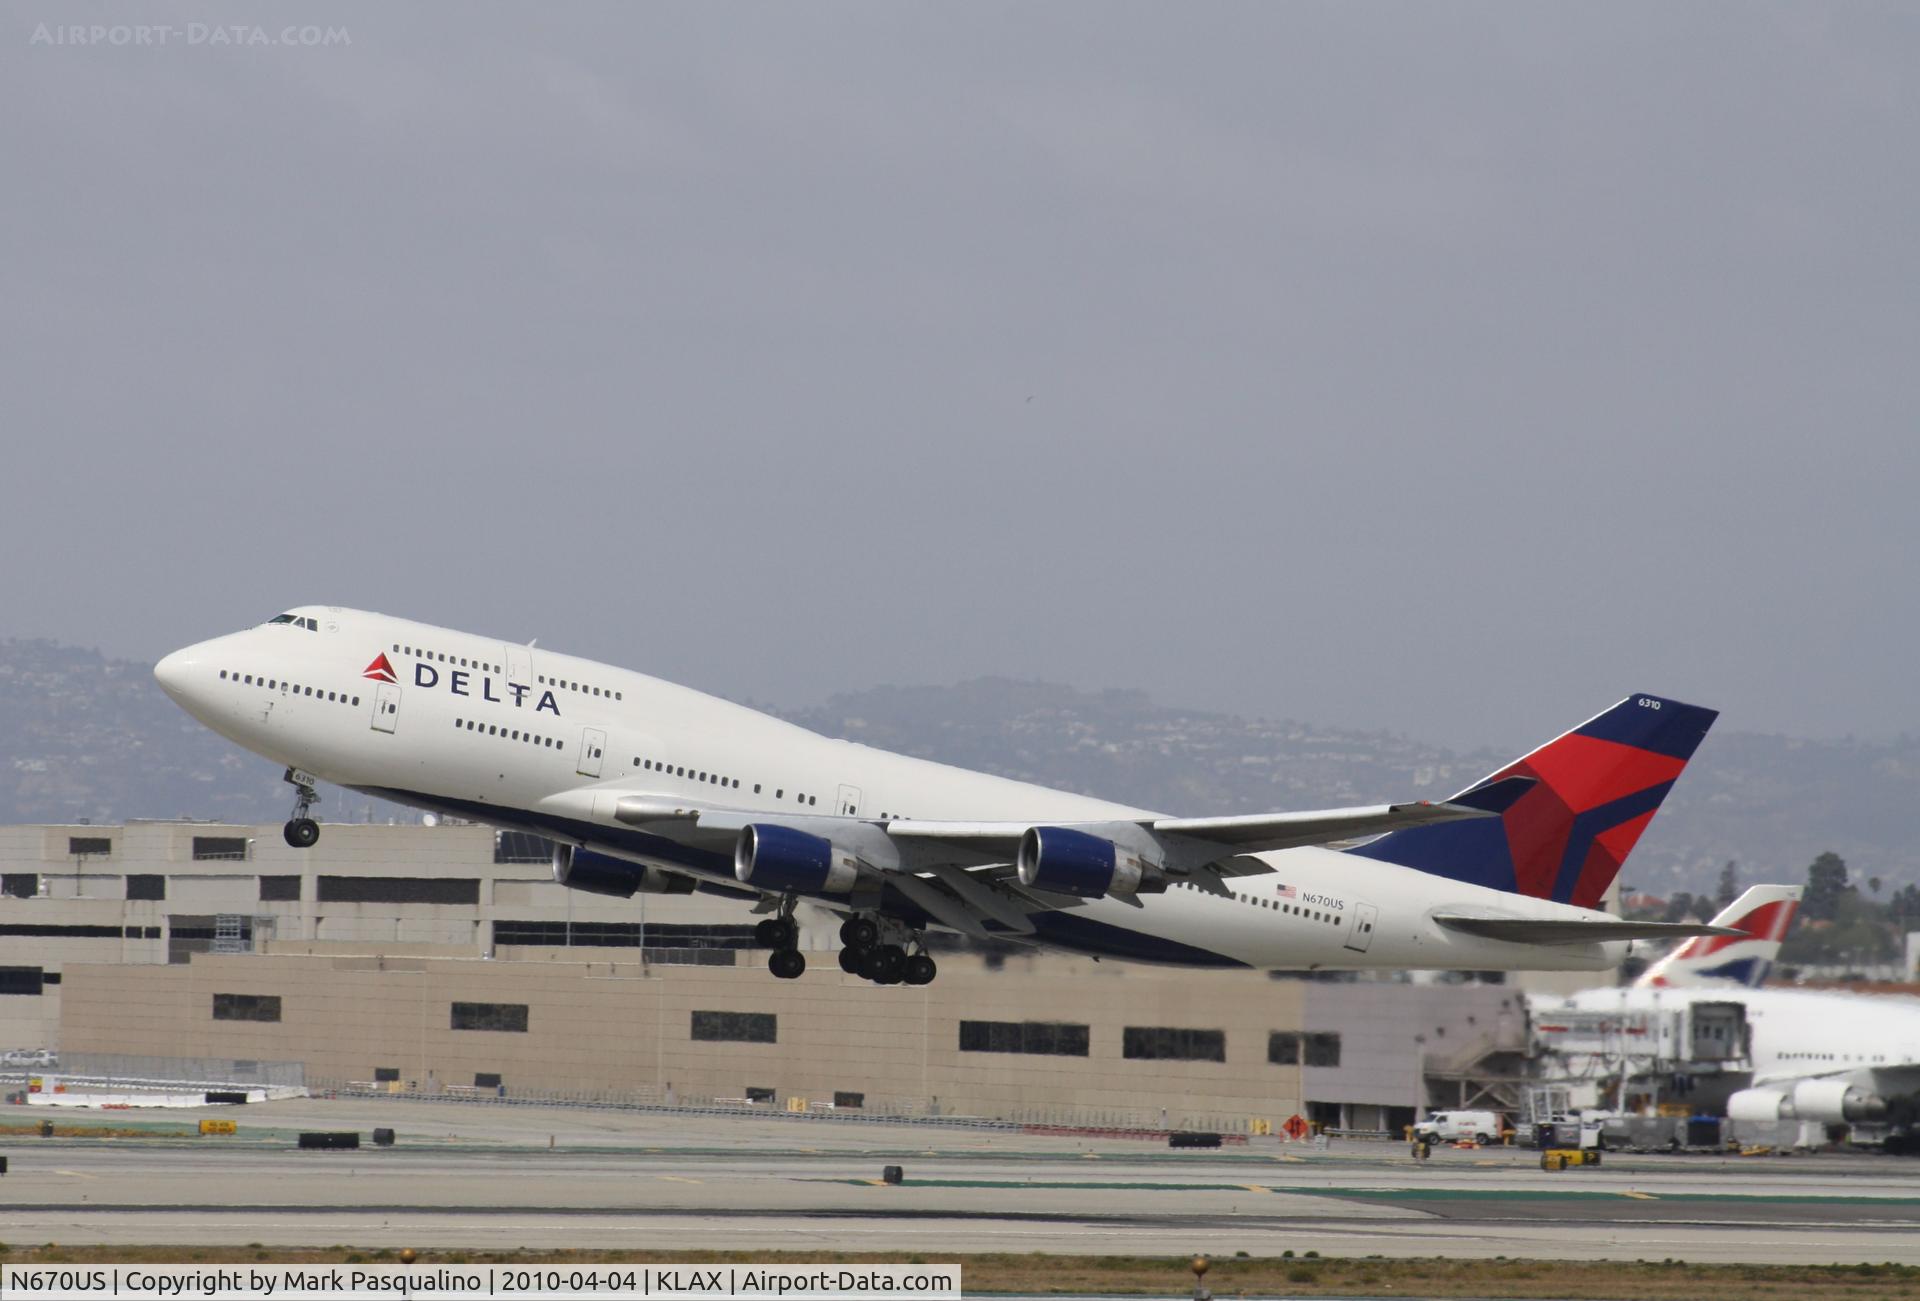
[(513, 734), (583, 688), (443, 658), (732, 783), (1291, 909), (274, 684)]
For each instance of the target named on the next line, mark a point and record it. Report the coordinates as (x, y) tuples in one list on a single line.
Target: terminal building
[(444, 959)]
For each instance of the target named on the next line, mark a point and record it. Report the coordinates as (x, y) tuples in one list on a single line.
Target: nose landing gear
[(865, 954), (301, 831)]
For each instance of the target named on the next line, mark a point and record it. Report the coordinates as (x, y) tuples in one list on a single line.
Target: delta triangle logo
[(380, 670)]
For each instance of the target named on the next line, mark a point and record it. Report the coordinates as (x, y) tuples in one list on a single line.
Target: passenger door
[(849, 802), (386, 707), (518, 662), (1360, 929), (593, 743)]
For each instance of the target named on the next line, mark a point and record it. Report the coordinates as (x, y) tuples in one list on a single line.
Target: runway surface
[(500, 1177)]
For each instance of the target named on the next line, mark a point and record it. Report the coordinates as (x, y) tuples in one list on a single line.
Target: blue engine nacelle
[(582, 869), (1064, 861), (772, 857)]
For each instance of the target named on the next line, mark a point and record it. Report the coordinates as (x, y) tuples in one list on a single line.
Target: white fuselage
[(556, 739), (1796, 1033)]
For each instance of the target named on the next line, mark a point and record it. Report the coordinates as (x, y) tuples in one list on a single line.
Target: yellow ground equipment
[(1559, 1158)]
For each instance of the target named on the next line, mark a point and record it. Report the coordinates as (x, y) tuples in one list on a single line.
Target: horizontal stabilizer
[(1528, 930)]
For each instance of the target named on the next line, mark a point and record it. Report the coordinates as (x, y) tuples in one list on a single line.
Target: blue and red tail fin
[(1595, 790), (1764, 912)]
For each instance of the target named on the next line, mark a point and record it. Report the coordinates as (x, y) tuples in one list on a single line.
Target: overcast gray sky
[(1453, 369)]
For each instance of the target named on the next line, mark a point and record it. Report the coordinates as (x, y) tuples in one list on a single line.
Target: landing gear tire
[(301, 831), (859, 933), (775, 933), (787, 964), (850, 960), (885, 965), (920, 970)]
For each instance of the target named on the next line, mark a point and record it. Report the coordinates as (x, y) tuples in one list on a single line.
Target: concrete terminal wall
[(610, 1027)]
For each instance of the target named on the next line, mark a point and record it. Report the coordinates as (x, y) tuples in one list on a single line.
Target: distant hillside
[(82, 736)]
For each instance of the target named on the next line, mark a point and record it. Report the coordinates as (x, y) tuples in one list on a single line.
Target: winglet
[(1495, 796)]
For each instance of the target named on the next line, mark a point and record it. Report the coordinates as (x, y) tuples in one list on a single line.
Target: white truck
[(1459, 1126)]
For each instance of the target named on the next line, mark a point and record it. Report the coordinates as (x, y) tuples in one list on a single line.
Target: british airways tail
[(1764, 912), (1595, 790)]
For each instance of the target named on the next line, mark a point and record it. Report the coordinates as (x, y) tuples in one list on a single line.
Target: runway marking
[(1256, 1188), (681, 1179), (77, 1174), (1645, 1197)]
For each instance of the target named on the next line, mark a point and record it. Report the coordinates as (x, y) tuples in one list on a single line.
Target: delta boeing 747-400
[(647, 786)]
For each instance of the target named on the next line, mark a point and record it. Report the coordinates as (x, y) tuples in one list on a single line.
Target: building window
[(1173, 1043), (246, 1007), (1047, 1038), (20, 980), (279, 889), (146, 885), (490, 1016), (654, 936), (99, 846), (736, 1027), (399, 889), (1323, 1049), (211, 848), (20, 885), (521, 847), (386, 1075), (1283, 1048)]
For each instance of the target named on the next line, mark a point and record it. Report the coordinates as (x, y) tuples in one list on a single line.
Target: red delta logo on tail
[(1594, 791), (380, 670)]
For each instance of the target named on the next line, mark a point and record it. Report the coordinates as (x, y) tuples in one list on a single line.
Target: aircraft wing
[(962, 873), (1527, 930), (1256, 832), (1246, 833)]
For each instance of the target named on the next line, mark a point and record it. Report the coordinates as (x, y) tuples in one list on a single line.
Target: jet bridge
[(1685, 1051)]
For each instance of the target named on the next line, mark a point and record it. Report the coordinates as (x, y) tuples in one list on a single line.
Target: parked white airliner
[(648, 786), (1821, 1055)]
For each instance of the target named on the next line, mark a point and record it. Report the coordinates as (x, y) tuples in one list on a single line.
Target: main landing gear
[(781, 934), (301, 831), (882, 956)]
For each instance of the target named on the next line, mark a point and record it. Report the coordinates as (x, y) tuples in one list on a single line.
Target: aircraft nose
[(175, 672)]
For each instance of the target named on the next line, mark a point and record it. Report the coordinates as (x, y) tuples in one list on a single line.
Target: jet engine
[(1064, 861), (583, 869), (772, 857), (1829, 1102)]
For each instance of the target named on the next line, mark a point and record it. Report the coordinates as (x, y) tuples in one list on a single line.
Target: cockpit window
[(298, 621)]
